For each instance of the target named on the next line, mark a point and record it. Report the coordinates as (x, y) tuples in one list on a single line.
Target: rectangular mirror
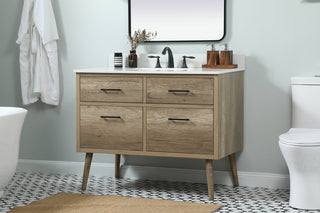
[(179, 20)]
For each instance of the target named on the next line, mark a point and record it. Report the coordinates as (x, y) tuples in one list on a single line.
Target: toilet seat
[(301, 137)]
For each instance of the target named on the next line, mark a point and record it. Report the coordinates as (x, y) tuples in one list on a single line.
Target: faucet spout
[(170, 56)]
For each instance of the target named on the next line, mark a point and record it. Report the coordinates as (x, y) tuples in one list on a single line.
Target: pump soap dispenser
[(226, 57), (224, 61), (213, 56)]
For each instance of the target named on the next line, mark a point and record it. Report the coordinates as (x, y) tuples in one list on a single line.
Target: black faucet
[(170, 56)]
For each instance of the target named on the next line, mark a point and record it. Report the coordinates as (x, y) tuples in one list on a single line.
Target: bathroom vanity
[(187, 113)]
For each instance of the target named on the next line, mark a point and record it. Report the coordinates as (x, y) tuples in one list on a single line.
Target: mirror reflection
[(179, 20)]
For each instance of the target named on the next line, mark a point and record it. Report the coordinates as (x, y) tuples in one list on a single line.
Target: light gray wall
[(280, 39)]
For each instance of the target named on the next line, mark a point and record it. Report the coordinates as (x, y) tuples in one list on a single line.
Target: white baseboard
[(252, 179)]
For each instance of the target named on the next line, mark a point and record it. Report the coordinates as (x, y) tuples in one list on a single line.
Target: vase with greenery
[(139, 36)]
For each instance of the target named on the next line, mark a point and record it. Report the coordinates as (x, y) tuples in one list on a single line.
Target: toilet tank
[(305, 102)]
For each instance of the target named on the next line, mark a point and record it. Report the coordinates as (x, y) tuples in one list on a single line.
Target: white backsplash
[(145, 62)]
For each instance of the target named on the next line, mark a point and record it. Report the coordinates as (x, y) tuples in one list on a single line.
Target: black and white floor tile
[(25, 188)]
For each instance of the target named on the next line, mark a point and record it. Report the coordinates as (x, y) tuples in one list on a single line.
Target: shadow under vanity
[(187, 113)]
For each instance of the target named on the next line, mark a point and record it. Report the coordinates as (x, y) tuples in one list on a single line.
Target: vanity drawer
[(180, 130), (110, 89), (180, 90), (111, 128)]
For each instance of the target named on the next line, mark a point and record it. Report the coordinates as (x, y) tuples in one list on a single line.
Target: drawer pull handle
[(113, 117), (177, 90), (178, 119), (110, 90)]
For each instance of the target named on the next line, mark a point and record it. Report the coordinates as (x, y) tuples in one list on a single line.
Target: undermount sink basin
[(170, 69), (162, 69)]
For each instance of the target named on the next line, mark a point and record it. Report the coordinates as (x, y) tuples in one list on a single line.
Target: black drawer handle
[(178, 119), (110, 90), (177, 90), (113, 117)]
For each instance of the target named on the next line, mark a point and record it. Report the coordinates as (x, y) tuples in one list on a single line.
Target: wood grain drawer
[(191, 133), (110, 89), (122, 130), (180, 90)]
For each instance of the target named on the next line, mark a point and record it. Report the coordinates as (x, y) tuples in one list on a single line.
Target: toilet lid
[(301, 137)]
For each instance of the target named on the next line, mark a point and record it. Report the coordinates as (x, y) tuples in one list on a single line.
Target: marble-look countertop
[(185, 71)]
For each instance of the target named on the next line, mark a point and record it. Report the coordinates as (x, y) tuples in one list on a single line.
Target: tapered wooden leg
[(117, 166), (233, 166), (209, 169), (86, 170)]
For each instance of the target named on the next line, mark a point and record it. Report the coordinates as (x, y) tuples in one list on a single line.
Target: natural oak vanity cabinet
[(189, 115)]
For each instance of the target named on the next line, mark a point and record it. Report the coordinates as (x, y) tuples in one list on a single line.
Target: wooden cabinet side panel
[(216, 117), (230, 108), (78, 111)]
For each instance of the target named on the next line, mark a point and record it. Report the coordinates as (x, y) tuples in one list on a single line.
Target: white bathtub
[(11, 122)]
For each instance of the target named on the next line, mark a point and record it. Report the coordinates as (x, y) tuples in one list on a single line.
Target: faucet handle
[(184, 63), (158, 60)]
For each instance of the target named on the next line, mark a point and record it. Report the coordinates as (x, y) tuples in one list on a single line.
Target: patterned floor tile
[(25, 188)]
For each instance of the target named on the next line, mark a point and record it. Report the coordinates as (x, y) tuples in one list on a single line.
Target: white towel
[(38, 53)]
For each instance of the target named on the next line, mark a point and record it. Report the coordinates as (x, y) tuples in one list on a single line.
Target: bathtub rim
[(7, 111)]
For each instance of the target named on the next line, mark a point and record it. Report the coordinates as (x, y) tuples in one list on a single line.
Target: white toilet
[(300, 146)]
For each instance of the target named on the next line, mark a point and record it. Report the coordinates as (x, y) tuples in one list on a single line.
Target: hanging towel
[(37, 38)]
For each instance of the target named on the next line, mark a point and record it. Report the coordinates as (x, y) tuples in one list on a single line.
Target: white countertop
[(186, 71)]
